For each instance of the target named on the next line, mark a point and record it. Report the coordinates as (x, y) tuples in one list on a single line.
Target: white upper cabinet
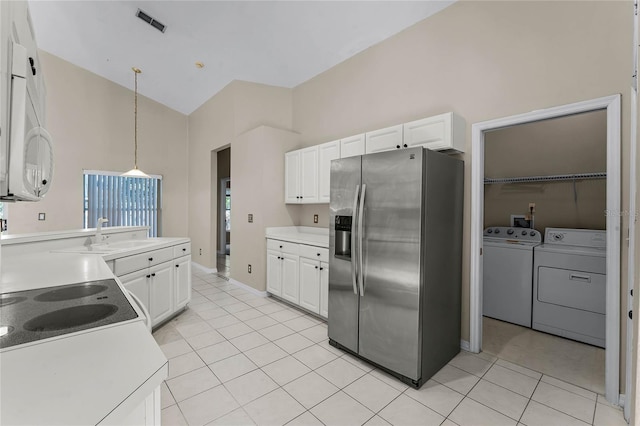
[(292, 177), (384, 139), (441, 132), (326, 153), (309, 175), (352, 146)]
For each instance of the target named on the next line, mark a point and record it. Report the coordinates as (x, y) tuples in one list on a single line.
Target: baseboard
[(248, 288), (464, 345), (621, 399), (204, 268)]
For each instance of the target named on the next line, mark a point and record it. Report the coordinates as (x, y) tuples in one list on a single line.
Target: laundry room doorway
[(520, 198)]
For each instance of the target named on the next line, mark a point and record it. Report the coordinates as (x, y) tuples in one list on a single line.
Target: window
[(3, 217), (227, 207), (124, 201)]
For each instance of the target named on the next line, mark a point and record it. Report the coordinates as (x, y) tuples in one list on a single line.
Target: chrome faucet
[(101, 220)]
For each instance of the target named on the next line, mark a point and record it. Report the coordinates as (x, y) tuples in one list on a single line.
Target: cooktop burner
[(30, 315)]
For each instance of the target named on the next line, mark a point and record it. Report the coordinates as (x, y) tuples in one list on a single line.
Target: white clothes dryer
[(508, 273), (569, 292)]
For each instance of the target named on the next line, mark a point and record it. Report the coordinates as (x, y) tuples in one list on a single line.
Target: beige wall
[(239, 107), (483, 60), (257, 176), (574, 144), (91, 121)]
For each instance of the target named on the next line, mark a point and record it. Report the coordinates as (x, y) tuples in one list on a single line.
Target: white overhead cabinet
[(384, 139), (307, 173), (326, 153), (301, 176), (352, 146), (440, 133)]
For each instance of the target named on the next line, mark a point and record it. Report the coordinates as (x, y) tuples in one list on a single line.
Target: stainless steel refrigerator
[(395, 260)]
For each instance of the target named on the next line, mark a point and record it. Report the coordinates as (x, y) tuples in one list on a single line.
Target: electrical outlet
[(315, 218), (249, 268), (532, 207), (200, 252), (41, 216), (250, 218)]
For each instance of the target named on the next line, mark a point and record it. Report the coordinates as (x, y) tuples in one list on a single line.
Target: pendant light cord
[(135, 120)]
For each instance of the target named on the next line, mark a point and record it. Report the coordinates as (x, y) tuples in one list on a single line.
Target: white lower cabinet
[(301, 278), (324, 289), (182, 282), (289, 277), (163, 288), (161, 292)]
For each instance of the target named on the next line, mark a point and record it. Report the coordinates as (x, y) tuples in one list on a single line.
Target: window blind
[(124, 201)]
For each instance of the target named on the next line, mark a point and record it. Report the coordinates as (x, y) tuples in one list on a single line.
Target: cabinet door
[(352, 146), (384, 139), (290, 278), (182, 282), (138, 284), (326, 152), (292, 177), (433, 132), (309, 175), (310, 284), (161, 293), (274, 267), (324, 289)]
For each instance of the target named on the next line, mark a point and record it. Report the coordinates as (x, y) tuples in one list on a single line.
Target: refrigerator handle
[(353, 242), (360, 249)]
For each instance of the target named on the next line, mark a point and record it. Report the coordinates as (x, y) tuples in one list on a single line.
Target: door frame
[(612, 105), (222, 229)]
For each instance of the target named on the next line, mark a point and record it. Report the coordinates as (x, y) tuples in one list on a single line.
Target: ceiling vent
[(151, 21)]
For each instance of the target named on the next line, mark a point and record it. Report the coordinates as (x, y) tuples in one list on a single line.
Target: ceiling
[(280, 43)]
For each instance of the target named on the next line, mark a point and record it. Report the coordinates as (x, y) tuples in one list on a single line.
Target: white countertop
[(86, 377), (300, 234)]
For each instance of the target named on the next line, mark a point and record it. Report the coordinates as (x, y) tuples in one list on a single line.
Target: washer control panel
[(509, 233), (576, 237)]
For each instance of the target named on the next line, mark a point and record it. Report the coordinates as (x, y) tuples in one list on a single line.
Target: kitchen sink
[(42, 313), (70, 317)]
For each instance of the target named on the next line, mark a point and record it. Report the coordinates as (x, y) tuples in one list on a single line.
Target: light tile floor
[(236, 358), (571, 361)]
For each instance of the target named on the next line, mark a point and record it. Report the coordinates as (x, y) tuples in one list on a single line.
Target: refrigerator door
[(392, 219), (343, 297)]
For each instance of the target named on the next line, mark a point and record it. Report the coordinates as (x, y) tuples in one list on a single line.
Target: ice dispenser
[(343, 237)]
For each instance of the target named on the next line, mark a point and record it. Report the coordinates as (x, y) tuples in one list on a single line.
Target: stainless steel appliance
[(395, 260)]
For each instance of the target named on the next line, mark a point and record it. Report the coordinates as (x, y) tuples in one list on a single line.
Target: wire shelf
[(549, 178)]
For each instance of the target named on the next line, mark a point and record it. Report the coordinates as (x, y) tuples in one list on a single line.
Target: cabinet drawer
[(182, 249), (136, 262), (312, 252), (282, 246)]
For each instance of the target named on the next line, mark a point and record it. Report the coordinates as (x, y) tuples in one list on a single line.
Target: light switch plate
[(250, 218), (315, 218)]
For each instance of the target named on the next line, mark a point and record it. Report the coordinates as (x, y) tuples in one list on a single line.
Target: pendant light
[(136, 172)]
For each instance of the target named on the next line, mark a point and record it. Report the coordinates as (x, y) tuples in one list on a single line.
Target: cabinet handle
[(278, 257), (316, 267), (397, 146), (321, 269), (318, 254), (280, 246), (177, 266), (405, 145), (184, 249), (153, 275), (148, 276), (151, 259)]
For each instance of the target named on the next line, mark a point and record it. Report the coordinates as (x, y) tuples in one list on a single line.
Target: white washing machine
[(508, 273), (569, 292)]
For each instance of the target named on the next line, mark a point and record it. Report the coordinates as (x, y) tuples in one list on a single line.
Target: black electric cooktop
[(30, 315)]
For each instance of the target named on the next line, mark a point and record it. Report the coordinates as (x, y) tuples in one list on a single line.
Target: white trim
[(621, 399), (107, 173), (248, 288), (612, 105), (204, 268), (464, 345)]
